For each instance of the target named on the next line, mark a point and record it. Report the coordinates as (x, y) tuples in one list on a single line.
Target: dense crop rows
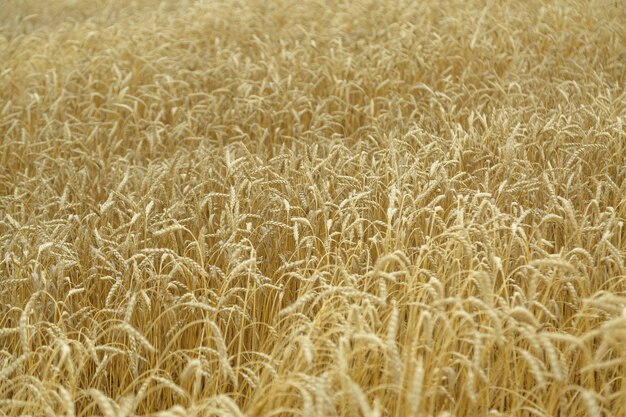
[(316, 208)]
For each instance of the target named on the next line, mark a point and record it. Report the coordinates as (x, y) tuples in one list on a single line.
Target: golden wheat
[(315, 208)]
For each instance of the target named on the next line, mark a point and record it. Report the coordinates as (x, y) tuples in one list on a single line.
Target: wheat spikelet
[(415, 396), (361, 399), (68, 402), (591, 403), (15, 364), (553, 358), (169, 229), (470, 385), (249, 376), (130, 308), (168, 383), (531, 337), (111, 294), (7, 332), (523, 315), (24, 322), (175, 411), (535, 367), (105, 404), (225, 365), (91, 349), (395, 363), (227, 404), (136, 335)]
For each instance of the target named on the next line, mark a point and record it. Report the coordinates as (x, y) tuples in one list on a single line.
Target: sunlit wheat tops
[(313, 208)]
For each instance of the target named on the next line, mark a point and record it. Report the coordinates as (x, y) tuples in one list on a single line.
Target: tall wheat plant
[(313, 208)]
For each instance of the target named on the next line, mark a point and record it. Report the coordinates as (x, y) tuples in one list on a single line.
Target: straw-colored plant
[(314, 208)]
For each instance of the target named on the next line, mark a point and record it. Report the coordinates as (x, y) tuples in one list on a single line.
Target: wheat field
[(313, 208)]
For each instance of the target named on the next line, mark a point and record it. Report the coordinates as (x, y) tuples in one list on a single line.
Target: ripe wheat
[(316, 208)]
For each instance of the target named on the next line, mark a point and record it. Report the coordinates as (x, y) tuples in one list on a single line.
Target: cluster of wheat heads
[(313, 208)]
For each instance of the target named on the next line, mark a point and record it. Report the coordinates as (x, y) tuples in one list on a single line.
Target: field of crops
[(313, 208)]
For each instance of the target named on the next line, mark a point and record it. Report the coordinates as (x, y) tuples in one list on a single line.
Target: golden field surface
[(313, 208)]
